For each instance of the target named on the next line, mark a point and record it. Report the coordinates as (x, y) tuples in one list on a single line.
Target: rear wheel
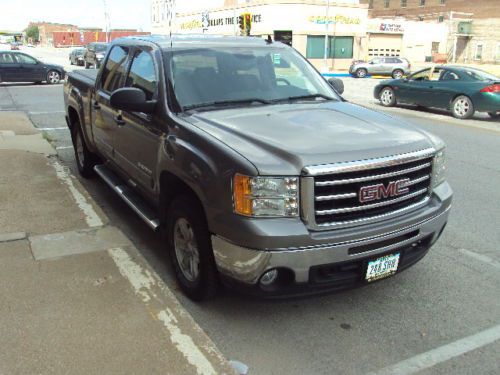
[(387, 97), (494, 115), (361, 73), (191, 249), (53, 77), (87, 65), (397, 74), (85, 160), (462, 107)]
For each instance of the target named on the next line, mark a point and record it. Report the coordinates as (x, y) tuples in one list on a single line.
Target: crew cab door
[(105, 118), (138, 138)]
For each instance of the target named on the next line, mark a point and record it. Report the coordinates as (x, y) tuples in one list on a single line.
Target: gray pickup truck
[(258, 172)]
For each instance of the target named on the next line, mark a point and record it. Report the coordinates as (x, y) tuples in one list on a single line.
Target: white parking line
[(63, 147), (51, 129), (480, 257), (91, 217), (443, 353), (45, 112)]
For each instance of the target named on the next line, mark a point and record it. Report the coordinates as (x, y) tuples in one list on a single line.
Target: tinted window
[(101, 47), (479, 75), (142, 74), (448, 76), (6, 58), (115, 68), (25, 59), (421, 76)]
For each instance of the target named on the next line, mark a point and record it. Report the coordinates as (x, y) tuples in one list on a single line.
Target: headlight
[(266, 196), (438, 168)]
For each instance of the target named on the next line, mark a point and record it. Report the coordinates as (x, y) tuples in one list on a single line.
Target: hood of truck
[(283, 139)]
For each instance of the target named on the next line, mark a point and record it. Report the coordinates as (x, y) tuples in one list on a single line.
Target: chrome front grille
[(337, 188)]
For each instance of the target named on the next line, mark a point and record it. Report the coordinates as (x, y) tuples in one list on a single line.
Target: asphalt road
[(447, 304)]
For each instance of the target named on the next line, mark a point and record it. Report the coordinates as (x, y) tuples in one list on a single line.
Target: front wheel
[(462, 107), (85, 160), (387, 97), (53, 77), (190, 248), (361, 73), (494, 115)]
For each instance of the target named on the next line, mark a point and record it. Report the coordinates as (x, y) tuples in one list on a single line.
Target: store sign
[(386, 27), (215, 22), (322, 20)]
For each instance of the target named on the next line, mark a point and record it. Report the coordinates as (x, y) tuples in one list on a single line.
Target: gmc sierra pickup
[(255, 168)]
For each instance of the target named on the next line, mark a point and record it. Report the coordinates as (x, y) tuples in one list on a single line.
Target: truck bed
[(87, 76)]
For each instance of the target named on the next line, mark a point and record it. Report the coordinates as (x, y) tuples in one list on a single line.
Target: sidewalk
[(76, 295)]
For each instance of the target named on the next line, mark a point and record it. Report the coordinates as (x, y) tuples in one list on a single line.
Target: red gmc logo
[(379, 191)]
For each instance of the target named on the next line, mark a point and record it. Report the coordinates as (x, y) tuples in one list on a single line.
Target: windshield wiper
[(304, 97), (223, 103)]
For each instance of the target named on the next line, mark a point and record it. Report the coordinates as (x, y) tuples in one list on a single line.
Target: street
[(451, 295)]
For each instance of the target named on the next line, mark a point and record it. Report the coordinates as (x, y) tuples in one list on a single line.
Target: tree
[(33, 33)]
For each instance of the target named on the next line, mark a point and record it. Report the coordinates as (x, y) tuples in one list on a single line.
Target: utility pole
[(106, 20), (325, 56)]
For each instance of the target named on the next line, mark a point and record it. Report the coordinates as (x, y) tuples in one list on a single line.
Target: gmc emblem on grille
[(379, 191)]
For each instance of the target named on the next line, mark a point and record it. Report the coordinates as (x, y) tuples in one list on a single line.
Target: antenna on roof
[(269, 39)]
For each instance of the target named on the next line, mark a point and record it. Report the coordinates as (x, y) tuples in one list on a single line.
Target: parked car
[(461, 90), (14, 46), (258, 172), (21, 67), (94, 54), (395, 67), (76, 56)]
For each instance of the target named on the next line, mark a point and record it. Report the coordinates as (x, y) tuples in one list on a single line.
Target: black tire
[(53, 77), (397, 74), (387, 97), (494, 115), (361, 73), (85, 160), (185, 208), (462, 107), (87, 65)]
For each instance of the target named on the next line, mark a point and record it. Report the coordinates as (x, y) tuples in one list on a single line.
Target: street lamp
[(106, 20), (325, 56)]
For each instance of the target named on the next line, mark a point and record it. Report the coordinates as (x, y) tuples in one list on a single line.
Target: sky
[(15, 15)]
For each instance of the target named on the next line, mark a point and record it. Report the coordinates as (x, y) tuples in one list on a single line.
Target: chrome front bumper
[(246, 266)]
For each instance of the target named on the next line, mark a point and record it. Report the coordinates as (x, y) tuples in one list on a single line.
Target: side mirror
[(131, 99), (337, 84)]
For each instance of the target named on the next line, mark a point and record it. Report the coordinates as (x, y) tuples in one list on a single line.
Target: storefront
[(385, 38), (301, 25)]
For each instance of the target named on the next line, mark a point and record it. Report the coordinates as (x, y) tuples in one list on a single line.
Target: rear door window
[(25, 59), (115, 69), (142, 74), (6, 58)]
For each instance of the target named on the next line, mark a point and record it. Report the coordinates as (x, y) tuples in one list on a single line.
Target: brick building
[(473, 26), (46, 30)]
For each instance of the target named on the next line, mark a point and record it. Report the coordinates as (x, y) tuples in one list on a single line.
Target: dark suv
[(94, 54)]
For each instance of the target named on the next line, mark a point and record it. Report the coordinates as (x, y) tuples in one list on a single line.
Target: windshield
[(480, 75), (101, 47), (244, 74)]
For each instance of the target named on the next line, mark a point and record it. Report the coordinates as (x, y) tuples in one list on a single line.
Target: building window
[(440, 18), (422, 3), (339, 47), (387, 3), (370, 4), (420, 18), (404, 3), (442, 2), (478, 54), (497, 55)]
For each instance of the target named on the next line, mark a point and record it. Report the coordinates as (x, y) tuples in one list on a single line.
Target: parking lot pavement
[(447, 302), (76, 295)]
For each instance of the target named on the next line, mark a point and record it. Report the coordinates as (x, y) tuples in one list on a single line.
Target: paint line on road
[(142, 282), (91, 217), (443, 353), (45, 112), (51, 129), (480, 257)]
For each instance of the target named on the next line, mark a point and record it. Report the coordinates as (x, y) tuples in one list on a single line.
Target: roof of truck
[(196, 40)]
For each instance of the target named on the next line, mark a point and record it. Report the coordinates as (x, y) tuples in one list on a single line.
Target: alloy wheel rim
[(79, 150), (361, 73), (386, 96), (53, 77), (462, 107), (186, 249), (398, 75)]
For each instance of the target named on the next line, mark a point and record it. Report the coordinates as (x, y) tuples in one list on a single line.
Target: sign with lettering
[(215, 22), (322, 20), (386, 27)]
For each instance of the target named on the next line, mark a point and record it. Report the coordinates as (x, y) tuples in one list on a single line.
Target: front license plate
[(382, 267)]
